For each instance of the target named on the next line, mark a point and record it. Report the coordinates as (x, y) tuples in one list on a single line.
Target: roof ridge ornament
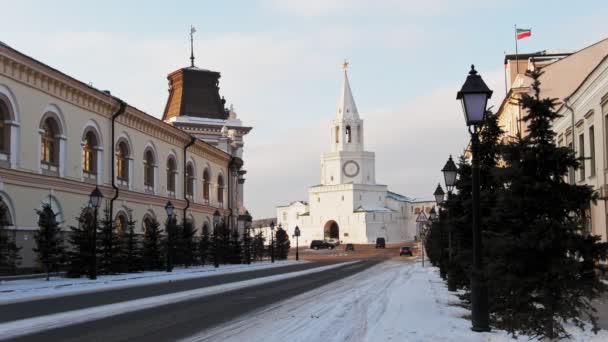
[(192, 30)]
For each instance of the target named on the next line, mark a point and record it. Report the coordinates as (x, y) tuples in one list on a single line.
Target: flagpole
[(505, 71), (516, 52), (192, 46)]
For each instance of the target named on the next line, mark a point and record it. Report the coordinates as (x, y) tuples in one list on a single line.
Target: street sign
[(422, 217)]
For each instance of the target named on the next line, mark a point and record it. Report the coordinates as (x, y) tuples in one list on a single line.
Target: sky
[(281, 69)]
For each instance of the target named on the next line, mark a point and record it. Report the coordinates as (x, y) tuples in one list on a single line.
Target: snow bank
[(33, 325), (393, 301), (31, 289)]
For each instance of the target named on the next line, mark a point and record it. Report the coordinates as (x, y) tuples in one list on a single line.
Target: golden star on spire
[(345, 65)]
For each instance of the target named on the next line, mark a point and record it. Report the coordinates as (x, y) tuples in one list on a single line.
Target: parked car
[(350, 247), (320, 244), (334, 242), (380, 243), (405, 251)]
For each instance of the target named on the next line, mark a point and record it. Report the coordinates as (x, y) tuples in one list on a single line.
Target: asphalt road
[(183, 319)]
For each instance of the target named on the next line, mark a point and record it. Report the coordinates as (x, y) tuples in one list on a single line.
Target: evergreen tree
[(80, 241), (187, 244), (9, 252), (132, 247), (171, 242), (109, 246), (542, 268), (152, 249), (204, 245), (49, 241), (257, 246), (282, 244), (235, 248), (221, 243)]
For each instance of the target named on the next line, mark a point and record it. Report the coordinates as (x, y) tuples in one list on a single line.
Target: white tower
[(347, 162)]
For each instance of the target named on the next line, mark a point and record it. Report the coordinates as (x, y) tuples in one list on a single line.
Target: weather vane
[(192, 30), (345, 65)]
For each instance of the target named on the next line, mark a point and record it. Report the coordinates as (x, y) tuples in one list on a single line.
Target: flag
[(523, 33)]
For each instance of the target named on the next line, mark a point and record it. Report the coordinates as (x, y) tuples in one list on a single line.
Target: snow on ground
[(25, 290), (393, 301), (37, 324)]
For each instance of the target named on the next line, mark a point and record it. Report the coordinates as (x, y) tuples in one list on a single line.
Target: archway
[(331, 230)]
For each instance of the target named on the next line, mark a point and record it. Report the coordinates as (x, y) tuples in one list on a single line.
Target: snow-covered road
[(393, 301)]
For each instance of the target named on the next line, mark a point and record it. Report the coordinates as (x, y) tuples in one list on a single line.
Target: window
[(189, 180), (171, 172), (206, 182), (592, 151), (348, 135), (146, 223), (570, 169), (5, 130), (120, 223), (220, 189), (358, 133), (122, 163), (89, 154), (149, 170), (50, 144), (581, 154), (337, 134)]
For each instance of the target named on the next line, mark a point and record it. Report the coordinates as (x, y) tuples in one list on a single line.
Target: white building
[(348, 204)]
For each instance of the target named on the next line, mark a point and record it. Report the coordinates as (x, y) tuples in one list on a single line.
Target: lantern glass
[(474, 106), (432, 214), (95, 198), (169, 208), (450, 172), (439, 194), (216, 218)]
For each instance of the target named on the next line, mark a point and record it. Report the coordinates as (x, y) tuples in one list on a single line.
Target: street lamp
[(169, 208), (272, 241), (95, 201), (439, 197), (432, 214), (439, 194), (474, 96), (296, 232), (216, 223), (450, 171)]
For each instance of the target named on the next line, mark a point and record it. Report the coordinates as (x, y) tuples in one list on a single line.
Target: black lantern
[(216, 218), (169, 208), (272, 225), (95, 198), (450, 172), (474, 96), (432, 214), (296, 231), (247, 219), (439, 194)]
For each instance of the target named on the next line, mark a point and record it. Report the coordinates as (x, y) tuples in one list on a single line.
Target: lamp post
[(474, 96), (272, 241), (296, 232), (95, 200), (216, 223), (439, 194), (450, 172), (169, 208)]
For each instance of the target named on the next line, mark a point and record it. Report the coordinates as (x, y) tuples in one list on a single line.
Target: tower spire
[(192, 30), (346, 105)]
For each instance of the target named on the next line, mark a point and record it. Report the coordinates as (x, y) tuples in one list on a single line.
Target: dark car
[(350, 247), (380, 243), (320, 244), (406, 251)]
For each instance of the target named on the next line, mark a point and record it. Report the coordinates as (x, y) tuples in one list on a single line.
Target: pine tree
[(235, 248), (9, 252), (171, 242), (204, 245), (80, 241), (152, 249), (109, 246), (282, 244), (221, 243), (187, 244), (543, 258), (258, 249), (49, 241), (132, 248)]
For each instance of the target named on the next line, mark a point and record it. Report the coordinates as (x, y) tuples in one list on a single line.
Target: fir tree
[(543, 258), (80, 241), (109, 246), (257, 246), (9, 252), (152, 248), (282, 244), (204, 243), (132, 248), (187, 244), (171, 242), (235, 248), (49, 241)]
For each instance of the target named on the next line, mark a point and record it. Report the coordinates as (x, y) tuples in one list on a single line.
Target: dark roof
[(265, 222), (195, 92)]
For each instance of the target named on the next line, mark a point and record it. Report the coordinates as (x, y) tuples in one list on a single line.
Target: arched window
[(5, 214), (146, 223), (206, 181), (149, 165), (89, 154), (171, 172), (5, 130), (205, 230), (120, 223), (49, 145), (189, 180), (220, 189), (337, 134), (348, 135), (122, 163)]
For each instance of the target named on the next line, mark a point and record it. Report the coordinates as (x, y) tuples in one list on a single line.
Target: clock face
[(351, 168)]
